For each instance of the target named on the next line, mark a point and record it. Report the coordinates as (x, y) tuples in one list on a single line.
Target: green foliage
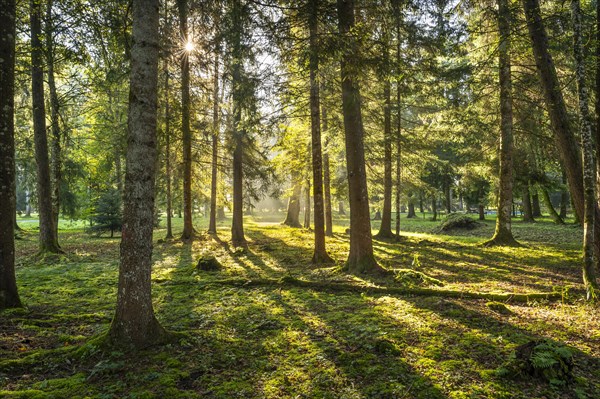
[(107, 215)]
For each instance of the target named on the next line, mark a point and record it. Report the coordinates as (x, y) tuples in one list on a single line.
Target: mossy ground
[(286, 342)]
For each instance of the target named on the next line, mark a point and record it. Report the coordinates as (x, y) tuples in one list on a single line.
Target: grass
[(291, 342)]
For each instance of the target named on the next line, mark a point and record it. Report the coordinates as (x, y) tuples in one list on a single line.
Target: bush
[(107, 214)]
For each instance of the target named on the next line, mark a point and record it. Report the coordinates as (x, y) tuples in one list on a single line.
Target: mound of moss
[(413, 278), (458, 221)]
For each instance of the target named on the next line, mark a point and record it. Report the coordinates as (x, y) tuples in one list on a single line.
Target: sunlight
[(189, 46)]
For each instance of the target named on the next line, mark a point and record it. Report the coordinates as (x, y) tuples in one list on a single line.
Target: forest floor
[(281, 341)]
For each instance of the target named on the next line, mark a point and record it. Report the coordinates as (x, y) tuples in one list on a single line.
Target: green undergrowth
[(266, 323)]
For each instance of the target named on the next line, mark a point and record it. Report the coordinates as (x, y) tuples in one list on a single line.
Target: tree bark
[(320, 252), (360, 258), (135, 324), (327, 183), (48, 237), (548, 203), (535, 204), (527, 207), (434, 207), (589, 161), (559, 118), (237, 223), (564, 197), (9, 295), (307, 205), (292, 218), (341, 209), (503, 233), (481, 210), (168, 152), (56, 151), (188, 227), (385, 229), (212, 224), (411, 209)]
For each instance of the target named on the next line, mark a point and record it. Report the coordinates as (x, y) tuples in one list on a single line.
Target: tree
[(320, 252), (292, 218), (237, 222), (360, 258), (48, 236), (188, 228), (212, 225), (107, 214), (589, 161), (9, 296), (557, 110), (134, 323)]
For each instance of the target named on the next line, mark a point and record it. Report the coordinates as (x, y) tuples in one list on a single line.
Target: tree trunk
[(341, 210), (292, 218), (56, 157), (548, 203), (421, 203), (237, 223), (589, 161), (327, 184), (9, 296), (598, 103), (307, 205), (448, 196), (221, 213), (411, 209), (188, 227), (503, 233), (559, 118), (320, 252), (434, 207), (48, 237), (385, 229), (527, 207), (535, 203), (481, 209), (212, 224), (134, 324), (564, 197), (360, 258), (168, 152)]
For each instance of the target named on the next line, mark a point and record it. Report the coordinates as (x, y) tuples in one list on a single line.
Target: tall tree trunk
[(188, 227), (385, 229), (411, 209), (434, 207), (527, 207), (56, 156), (168, 152), (307, 205), (48, 237), (481, 210), (589, 161), (292, 218), (535, 203), (398, 16), (9, 296), (320, 252), (212, 224), (341, 209), (421, 202), (503, 233), (134, 323), (564, 197), (548, 203), (360, 258), (237, 223), (598, 102), (327, 183), (447, 195), (557, 110)]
